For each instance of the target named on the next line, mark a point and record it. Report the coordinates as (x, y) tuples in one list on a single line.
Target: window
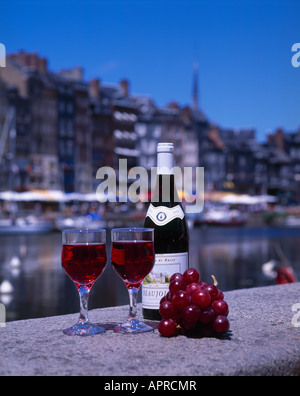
[(61, 106), (69, 127), (141, 129), (70, 148), (243, 161), (70, 108), (157, 132)]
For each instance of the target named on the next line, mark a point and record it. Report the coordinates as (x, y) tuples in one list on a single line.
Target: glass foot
[(84, 329), (133, 326)]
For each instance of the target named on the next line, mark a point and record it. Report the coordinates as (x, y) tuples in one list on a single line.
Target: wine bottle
[(171, 239)]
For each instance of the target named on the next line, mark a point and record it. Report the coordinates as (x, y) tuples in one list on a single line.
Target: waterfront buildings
[(57, 130)]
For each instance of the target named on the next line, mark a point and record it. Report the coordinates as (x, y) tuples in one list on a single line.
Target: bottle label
[(162, 215), (156, 284)]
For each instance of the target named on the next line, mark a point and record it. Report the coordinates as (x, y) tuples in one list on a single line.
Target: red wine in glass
[(133, 258), (84, 259), (132, 261), (84, 263)]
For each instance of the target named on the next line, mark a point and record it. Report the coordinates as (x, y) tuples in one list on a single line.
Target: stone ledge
[(263, 342)]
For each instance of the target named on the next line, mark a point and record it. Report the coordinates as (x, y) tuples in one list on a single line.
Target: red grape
[(212, 291), (180, 300), (207, 316), (191, 314), (192, 307), (192, 287), (168, 311), (202, 299), (169, 296), (191, 275), (176, 285), (177, 276), (220, 307), (221, 324), (167, 328)]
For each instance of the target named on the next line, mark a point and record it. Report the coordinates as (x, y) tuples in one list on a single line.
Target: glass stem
[(84, 294), (133, 297)]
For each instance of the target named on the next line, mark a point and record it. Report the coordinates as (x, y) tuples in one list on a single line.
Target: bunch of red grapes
[(193, 307)]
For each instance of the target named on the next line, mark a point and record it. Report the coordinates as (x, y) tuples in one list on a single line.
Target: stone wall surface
[(263, 341)]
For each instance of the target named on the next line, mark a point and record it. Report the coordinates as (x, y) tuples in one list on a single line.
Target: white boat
[(225, 217), (28, 225), (81, 222), (292, 221)]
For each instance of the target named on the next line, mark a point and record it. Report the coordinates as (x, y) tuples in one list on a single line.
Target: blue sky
[(243, 48)]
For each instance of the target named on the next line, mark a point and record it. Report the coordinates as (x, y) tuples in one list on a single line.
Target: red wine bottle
[(171, 239)]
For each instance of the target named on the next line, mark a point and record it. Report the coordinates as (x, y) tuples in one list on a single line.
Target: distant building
[(125, 116), (113, 118), (149, 132), (37, 103), (239, 165), (102, 140), (56, 131), (19, 145), (292, 146), (284, 165), (75, 133), (50, 127)]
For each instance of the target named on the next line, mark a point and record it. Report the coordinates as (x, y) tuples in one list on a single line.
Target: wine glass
[(133, 259), (84, 259)]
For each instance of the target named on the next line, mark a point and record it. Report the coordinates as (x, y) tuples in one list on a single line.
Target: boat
[(292, 221), (222, 217), (281, 272), (80, 222), (195, 220), (27, 225)]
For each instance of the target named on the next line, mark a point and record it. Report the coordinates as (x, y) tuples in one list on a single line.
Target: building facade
[(57, 130)]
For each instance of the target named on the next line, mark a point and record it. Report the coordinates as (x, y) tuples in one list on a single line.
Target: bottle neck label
[(162, 215)]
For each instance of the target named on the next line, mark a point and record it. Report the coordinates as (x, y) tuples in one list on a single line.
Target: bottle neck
[(165, 191), (165, 163)]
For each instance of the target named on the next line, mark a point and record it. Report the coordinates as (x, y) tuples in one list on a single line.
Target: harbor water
[(34, 284)]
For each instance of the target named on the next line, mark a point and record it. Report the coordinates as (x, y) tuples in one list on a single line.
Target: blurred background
[(87, 83)]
